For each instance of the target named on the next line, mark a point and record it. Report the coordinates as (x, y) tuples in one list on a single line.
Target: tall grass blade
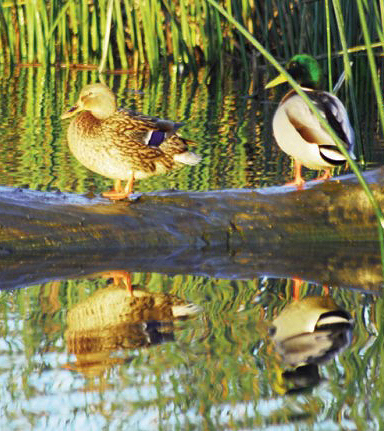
[(372, 63), (120, 35), (107, 33), (57, 20), (329, 45), (348, 71), (4, 38)]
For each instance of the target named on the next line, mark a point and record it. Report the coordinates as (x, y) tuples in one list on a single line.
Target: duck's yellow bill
[(278, 80)]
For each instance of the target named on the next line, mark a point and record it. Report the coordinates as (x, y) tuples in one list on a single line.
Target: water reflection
[(309, 332), (114, 319), (88, 345), (351, 267)]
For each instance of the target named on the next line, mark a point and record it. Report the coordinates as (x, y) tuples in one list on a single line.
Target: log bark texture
[(326, 232)]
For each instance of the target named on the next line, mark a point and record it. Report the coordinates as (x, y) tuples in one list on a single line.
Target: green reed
[(186, 32), (347, 70), (377, 90)]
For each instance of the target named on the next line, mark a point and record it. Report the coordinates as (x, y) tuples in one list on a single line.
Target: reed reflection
[(309, 332), (116, 318)]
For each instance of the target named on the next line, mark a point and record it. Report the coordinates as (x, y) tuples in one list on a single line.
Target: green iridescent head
[(304, 69)]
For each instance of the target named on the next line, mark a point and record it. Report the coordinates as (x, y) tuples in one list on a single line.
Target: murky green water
[(73, 358)]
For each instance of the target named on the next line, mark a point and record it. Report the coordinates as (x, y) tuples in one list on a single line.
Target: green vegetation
[(183, 32)]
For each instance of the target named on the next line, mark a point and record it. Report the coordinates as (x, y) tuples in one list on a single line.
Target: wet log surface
[(325, 233)]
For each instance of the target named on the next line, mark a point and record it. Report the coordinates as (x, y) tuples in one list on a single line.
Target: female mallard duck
[(121, 144), (110, 320), (296, 129)]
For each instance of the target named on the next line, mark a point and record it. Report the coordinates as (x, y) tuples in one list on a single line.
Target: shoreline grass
[(185, 33)]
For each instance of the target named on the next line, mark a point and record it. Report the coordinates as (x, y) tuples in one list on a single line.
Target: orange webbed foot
[(118, 193), (121, 275), (297, 282), (326, 176), (115, 195), (299, 181)]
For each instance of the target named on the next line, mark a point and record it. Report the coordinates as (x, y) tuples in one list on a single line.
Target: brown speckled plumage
[(116, 143)]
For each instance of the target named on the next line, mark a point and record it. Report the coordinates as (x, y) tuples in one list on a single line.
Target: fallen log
[(319, 233)]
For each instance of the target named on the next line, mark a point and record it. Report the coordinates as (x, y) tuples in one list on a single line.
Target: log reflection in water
[(356, 265)]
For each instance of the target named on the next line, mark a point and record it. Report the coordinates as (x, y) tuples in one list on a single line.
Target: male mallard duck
[(311, 330), (297, 130), (122, 144)]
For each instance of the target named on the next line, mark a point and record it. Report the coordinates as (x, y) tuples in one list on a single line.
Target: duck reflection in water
[(114, 319), (309, 332)]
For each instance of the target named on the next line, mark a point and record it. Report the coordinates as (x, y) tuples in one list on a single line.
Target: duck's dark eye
[(293, 67), (85, 96)]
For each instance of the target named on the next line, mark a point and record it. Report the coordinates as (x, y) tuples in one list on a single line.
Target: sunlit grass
[(188, 33)]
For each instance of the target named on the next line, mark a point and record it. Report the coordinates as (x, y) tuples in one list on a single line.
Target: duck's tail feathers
[(177, 148), (332, 155), (333, 318), (187, 158), (185, 310)]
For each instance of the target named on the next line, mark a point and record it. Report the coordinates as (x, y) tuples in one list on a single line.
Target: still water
[(187, 351)]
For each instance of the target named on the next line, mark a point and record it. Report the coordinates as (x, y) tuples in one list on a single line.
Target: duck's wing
[(154, 130), (336, 115), (309, 128), (145, 141), (130, 148), (139, 156)]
